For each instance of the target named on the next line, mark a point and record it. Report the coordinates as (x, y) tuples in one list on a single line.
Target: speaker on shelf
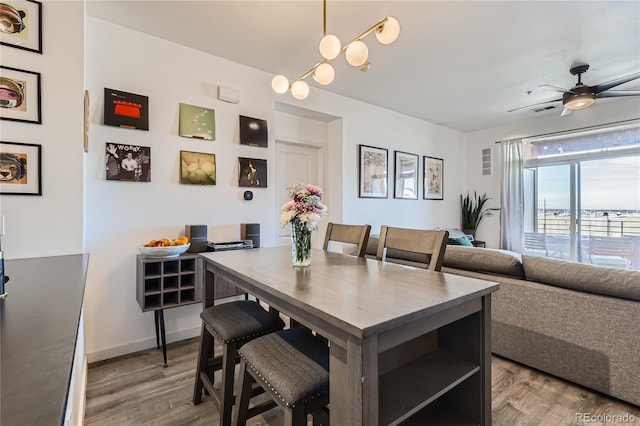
[(197, 235), (250, 231)]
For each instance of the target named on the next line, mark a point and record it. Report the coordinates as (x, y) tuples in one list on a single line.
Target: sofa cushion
[(488, 261), (578, 276), (459, 241)]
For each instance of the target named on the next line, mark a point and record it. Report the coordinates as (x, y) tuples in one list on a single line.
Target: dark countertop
[(39, 321)]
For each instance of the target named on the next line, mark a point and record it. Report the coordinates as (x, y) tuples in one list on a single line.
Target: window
[(582, 197)]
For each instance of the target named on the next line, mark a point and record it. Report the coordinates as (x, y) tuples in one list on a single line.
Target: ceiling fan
[(581, 95)]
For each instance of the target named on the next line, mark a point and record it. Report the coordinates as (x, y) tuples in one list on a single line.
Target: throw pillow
[(459, 241)]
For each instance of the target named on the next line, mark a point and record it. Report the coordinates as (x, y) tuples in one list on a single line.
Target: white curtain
[(512, 197)]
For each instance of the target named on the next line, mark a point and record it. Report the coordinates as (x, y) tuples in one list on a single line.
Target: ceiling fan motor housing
[(579, 97)]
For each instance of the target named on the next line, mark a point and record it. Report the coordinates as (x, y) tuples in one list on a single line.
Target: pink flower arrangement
[(305, 206)]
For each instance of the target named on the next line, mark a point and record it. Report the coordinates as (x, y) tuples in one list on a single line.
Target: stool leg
[(228, 371), (243, 395), (295, 416), (203, 352)]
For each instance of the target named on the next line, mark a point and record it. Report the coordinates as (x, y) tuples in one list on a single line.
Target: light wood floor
[(136, 390)]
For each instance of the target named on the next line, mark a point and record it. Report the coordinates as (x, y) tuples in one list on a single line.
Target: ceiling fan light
[(300, 89), (357, 53), (324, 74), (580, 101), (388, 32), (330, 46), (280, 84)]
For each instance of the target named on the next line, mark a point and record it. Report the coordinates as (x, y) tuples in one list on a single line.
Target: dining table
[(406, 345)]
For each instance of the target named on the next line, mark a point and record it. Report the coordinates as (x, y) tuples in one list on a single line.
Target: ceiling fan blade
[(565, 112), (617, 93), (613, 83), (553, 88), (532, 105)]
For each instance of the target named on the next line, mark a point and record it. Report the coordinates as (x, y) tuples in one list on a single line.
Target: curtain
[(512, 197)]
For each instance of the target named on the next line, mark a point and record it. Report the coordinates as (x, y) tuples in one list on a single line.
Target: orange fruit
[(165, 241)]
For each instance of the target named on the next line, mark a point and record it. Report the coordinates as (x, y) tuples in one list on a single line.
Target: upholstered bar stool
[(293, 367), (233, 324)]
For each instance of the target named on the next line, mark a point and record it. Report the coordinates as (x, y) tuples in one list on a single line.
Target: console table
[(406, 344)]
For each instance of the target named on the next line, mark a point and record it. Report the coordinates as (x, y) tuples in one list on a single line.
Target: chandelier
[(357, 53)]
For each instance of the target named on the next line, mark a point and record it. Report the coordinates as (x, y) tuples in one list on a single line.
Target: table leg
[(163, 336)]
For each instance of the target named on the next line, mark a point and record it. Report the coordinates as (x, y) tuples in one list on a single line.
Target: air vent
[(486, 161), (547, 108)]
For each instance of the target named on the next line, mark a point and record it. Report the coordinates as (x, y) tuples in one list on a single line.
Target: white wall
[(603, 112), (50, 224), (121, 215)]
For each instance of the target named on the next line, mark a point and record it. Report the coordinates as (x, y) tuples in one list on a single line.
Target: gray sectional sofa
[(575, 321)]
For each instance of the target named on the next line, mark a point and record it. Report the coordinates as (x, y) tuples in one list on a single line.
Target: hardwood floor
[(136, 390)]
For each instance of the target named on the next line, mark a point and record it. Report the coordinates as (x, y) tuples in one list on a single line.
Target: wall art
[(20, 168), (406, 175), (130, 163), (127, 110), (253, 132), (253, 172), (433, 178), (19, 95), (197, 168), (373, 179), (197, 122), (21, 25)]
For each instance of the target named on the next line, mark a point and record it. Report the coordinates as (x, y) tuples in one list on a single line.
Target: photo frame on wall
[(433, 185), (22, 25), (21, 95), (197, 168), (406, 175), (197, 122), (372, 172), (129, 163), (128, 110), (252, 172), (253, 132), (21, 168)]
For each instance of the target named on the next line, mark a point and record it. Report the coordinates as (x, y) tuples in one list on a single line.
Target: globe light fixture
[(357, 54)]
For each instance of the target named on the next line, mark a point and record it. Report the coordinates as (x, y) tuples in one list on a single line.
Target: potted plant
[(473, 210)]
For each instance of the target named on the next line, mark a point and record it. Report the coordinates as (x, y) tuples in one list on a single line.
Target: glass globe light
[(330, 46), (300, 89), (280, 84), (389, 31), (324, 74), (357, 53)]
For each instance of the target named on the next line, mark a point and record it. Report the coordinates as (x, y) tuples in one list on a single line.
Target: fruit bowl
[(166, 251)]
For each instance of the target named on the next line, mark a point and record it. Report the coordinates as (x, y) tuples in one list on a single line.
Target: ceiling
[(461, 64)]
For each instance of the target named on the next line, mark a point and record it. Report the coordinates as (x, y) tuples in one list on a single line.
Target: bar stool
[(233, 324), (293, 367)]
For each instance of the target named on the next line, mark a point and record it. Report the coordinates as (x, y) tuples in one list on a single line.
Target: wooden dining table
[(406, 344)]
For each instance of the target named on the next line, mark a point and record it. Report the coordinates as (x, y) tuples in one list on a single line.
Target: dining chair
[(430, 245), (233, 324), (351, 234)]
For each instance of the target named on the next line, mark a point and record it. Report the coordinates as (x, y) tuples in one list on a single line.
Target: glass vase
[(300, 244)]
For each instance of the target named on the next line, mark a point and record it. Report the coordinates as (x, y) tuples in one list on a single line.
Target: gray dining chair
[(428, 245)]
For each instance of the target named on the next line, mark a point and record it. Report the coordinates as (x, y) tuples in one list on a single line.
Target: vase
[(300, 244)]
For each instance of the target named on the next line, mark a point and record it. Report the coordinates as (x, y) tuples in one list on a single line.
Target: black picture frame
[(21, 101), (25, 19), (373, 166), (23, 163), (407, 169), (124, 109), (253, 132), (433, 178)]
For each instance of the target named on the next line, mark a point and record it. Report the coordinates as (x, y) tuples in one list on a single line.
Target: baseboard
[(140, 345)]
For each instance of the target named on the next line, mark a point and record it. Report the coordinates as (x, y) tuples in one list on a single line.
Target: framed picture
[(127, 110), (197, 122), (129, 163), (22, 24), (20, 100), (373, 172), (406, 175), (197, 168), (20, 168), (253, 173), (253, 132), (433, 178)]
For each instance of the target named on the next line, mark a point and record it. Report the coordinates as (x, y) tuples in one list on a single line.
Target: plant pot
[(471, 232)]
